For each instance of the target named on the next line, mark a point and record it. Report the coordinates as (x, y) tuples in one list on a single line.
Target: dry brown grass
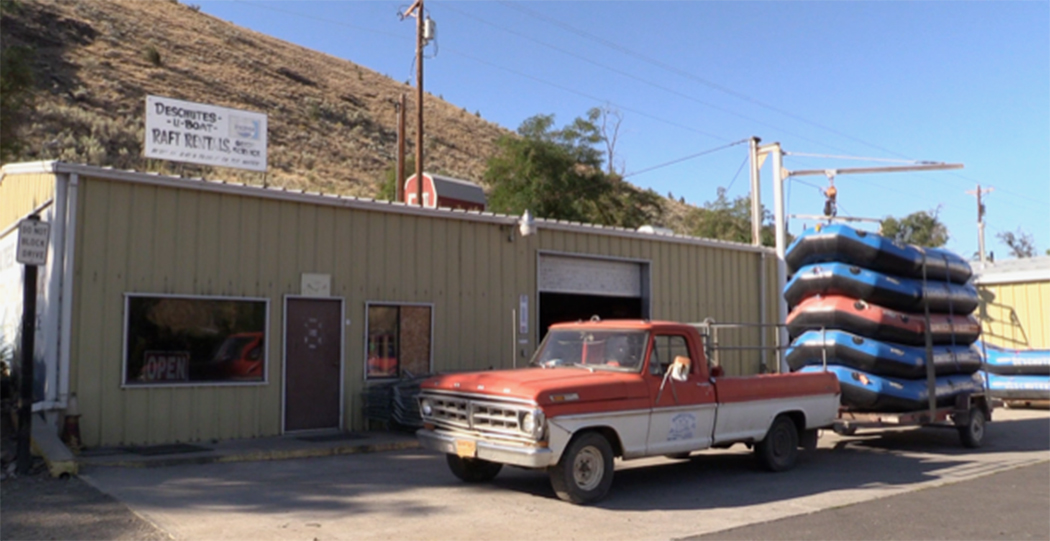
[(332, 123)]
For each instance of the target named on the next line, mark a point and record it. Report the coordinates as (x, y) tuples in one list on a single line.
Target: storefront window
[(399, 340), (194, 340)]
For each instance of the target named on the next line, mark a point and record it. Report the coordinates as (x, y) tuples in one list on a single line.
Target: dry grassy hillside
[(332, 123)]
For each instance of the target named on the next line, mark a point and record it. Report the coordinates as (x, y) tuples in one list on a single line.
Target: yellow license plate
[(466, 448)]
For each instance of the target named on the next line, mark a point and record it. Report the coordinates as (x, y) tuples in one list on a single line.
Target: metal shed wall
[(189, 237), (21, 194), (1015, 315)]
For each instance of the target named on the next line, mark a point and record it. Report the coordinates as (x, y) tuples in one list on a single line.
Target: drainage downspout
[(51, 325), (66, 325)]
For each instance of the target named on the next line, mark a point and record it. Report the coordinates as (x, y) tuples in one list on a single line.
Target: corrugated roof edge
[(1012, 271), (282, 194)]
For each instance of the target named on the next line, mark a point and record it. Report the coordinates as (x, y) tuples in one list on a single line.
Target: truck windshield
[(615, 350)]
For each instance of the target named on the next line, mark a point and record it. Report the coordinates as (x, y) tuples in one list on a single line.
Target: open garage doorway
[(559, 307), (573, 288)]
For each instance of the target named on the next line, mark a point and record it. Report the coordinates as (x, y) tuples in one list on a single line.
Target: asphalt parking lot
[(411, 494)]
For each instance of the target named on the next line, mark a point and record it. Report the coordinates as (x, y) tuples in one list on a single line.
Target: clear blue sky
[(958, 82)]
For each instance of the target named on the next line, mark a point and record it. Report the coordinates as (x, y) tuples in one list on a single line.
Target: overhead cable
[(689, 157)]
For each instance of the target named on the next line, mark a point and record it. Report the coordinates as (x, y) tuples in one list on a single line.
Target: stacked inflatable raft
[(858, 310), (1017, 374)]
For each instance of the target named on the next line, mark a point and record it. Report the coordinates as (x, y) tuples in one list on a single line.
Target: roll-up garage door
[(573, 288)]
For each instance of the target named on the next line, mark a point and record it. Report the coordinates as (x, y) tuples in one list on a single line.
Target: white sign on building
[(184, 131), (32, 242)]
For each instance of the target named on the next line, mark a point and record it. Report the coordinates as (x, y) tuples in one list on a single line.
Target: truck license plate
[(466, 448)]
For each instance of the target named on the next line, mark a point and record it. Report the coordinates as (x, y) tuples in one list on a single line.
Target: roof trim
[(316, 198), (1035, 275)]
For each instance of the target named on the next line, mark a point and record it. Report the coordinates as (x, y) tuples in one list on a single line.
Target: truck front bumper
[(526, 457)]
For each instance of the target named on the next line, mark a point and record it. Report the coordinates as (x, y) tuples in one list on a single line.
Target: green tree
[(16, 86), (729, 220), (388, 181), (1021, 244), (919, 228), (557, 174)]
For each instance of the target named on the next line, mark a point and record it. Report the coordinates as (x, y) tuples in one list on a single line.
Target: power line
[(689, 157), (726, 90), (857, 158), (642, 80), (688, 75), (738, 170), (585, 95), (503, 68)]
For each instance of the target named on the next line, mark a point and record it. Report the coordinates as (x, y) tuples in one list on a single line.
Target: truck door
[(683, 412)]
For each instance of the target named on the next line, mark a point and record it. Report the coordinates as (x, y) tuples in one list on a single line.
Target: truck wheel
[(473, 470), (972, 433), (779, 449), (585, 471)]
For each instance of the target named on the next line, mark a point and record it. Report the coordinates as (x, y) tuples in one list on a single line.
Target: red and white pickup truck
[(603, 389)]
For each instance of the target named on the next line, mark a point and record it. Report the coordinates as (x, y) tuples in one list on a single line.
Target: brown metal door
[(313, 346)]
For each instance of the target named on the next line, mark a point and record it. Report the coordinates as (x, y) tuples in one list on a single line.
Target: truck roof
[(630, 324)]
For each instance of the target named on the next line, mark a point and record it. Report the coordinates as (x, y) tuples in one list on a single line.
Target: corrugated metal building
[(182, 310), (1015, 303)]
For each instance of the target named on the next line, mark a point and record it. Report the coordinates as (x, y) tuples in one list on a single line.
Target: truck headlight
[(425, 407), (532, 423)]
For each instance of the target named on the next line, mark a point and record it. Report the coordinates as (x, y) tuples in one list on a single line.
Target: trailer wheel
[(779, 449), (473, 470), (972, 433), (585, 471)]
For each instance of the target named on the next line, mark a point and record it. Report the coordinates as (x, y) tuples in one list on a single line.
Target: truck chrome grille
[(480, 417)]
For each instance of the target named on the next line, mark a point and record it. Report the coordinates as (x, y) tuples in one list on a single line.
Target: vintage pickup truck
[(603, 389)]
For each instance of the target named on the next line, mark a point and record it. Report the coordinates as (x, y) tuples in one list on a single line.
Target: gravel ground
[(38, 506)]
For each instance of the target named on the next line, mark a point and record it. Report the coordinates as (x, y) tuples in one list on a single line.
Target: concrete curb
[(246, 455)]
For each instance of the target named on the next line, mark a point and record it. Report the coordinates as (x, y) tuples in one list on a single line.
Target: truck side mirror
[(717, 371)]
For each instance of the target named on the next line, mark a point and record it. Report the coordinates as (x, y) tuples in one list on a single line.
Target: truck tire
[(473, 470), (585, 471), (972, 433), (779, 449)]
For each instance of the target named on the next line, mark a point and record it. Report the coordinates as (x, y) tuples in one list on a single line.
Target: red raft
[(871, 321)]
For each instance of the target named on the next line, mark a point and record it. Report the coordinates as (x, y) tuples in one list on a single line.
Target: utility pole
[(980, 220), (417, 8), (400, 182), (756, 199)]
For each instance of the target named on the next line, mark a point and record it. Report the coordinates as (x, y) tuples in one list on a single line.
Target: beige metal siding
[(1016, 315), (689, 283), (139, 238), (21, 194), (134, 238)]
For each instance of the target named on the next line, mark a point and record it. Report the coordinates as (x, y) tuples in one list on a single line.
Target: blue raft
[(1019, 387), (1007, 362), (836, 242), (902, 294), (863, 391), (877, 357)]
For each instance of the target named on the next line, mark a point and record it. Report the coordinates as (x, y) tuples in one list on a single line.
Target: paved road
[(1008, 505), (411, 494)]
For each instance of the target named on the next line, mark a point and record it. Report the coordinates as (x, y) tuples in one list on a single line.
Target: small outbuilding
[(445, 192)]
